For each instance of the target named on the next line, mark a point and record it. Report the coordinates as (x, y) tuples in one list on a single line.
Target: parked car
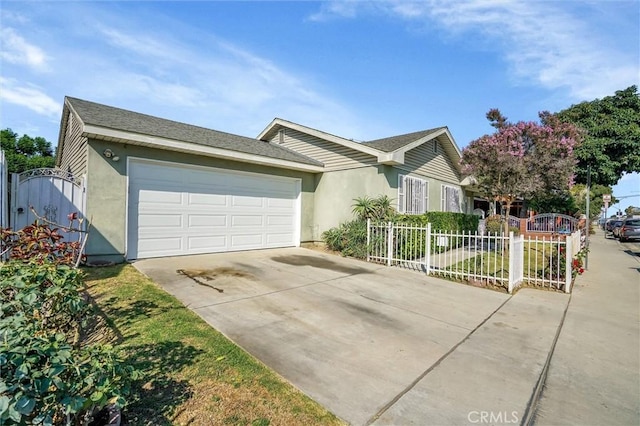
[(629, 229), (615, 229), (611, 225)]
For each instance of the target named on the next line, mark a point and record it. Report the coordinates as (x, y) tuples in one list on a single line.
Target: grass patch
[(542, 264), (191, 373)]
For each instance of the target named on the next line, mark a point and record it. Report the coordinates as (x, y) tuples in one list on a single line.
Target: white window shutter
[(401, 192)]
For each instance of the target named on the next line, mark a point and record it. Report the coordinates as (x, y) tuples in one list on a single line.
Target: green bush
[(48, 377), (47, 295), (443, 221), (415, 242), (495, 225), (350, 238)]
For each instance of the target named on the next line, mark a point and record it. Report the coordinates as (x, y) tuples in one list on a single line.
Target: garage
[(176, 209)]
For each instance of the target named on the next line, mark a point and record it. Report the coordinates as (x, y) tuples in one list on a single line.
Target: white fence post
[(4, 191), (389, 242), (13, 210), (368, 239), (512, 265), (568, 244)]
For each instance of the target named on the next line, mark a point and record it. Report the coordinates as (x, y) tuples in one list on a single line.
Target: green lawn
[(191, 374), (540, 260)]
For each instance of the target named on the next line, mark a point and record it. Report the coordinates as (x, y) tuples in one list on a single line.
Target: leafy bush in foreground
[(48, 377), (40, 243)]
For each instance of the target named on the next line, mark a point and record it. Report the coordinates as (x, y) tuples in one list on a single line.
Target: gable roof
[(278, 123), (397, 142), (120, 125), (389, 150)]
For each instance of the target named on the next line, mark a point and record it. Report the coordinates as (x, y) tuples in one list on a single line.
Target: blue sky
[(361, 70)]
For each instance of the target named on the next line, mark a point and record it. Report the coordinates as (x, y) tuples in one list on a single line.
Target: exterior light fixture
[(110, 154)]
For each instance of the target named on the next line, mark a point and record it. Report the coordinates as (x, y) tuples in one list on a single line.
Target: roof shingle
[(95, 114), (395, 142)]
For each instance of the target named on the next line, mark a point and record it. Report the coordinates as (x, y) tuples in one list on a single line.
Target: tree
[(596, 203), (611, 128), (631, 210), (25, 153), (521, 160)]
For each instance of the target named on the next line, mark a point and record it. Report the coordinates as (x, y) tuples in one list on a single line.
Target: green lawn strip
[(540, 261), (191, 372)]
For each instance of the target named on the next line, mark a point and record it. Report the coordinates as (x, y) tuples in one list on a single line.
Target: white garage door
[(176, 209)]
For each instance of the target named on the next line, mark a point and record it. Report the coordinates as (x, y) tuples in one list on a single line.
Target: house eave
[(118, 136), (395, 158)]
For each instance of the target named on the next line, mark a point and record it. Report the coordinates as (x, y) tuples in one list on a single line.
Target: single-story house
[(156, 187)]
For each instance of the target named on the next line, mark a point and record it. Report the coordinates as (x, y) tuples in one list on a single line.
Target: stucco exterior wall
[(336, 190), (107, 192)]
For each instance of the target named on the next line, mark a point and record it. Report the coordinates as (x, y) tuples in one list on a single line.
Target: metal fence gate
[(52, 193)]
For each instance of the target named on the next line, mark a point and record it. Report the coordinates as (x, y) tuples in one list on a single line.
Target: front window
[(413, 195), (450, 199)]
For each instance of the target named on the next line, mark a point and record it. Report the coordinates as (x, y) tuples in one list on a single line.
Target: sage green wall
[(107, 193), (336, 191)]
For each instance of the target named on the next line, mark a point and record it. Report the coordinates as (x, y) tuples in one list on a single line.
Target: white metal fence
[(552, 223), (506, 261), (4, 191)]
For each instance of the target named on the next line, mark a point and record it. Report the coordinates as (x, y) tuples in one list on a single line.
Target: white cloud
[(544, 43), (331, 9), (28, 96), (212, 83), (16, 50)]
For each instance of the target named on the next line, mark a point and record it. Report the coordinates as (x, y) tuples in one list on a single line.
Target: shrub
[(47, 381), (48, 296), (377, 209), (350, 238), (48, 377), (494, 224), (39, 243), (443, 221)]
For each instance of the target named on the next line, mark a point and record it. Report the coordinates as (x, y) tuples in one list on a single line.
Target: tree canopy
[(25, 152), (596, 202), (611, 130), (524, 160)]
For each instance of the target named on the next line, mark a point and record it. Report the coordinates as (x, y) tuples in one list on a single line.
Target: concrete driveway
[(360, 338)]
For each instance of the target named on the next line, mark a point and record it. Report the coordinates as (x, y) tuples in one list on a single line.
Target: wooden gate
[(52, 193)]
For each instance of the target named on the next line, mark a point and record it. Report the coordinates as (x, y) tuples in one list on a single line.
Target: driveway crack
[(433, 366)]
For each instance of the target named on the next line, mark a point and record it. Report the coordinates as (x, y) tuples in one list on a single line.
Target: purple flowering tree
[(522, 160)]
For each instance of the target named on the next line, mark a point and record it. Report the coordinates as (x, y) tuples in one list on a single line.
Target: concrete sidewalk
[(489, 377), (594, 375)]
